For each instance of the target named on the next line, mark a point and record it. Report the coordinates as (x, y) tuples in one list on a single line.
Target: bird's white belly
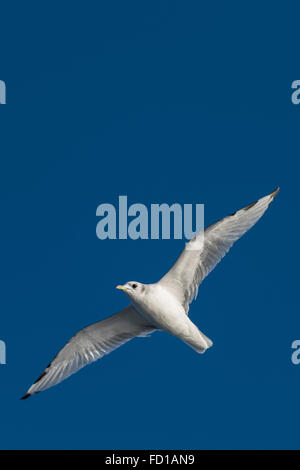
[(165, 312)]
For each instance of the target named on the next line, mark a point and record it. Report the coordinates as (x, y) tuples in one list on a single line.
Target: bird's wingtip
[(274, 193), (27, 395)]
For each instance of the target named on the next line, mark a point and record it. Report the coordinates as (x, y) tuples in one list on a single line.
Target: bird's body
[(162, 309), (160, 306)]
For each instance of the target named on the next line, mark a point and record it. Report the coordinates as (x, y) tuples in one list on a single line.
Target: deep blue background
[(165, 102)]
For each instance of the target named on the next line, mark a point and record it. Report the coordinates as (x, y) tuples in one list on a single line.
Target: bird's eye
[(134, 286)]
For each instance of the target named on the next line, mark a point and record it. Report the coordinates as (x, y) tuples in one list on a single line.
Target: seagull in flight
[(160, 306)]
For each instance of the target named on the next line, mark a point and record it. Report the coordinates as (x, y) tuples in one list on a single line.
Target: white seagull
[(160, 306)]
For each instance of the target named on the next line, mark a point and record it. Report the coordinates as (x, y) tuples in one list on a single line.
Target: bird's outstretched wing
[(90, 344), (203, 252)]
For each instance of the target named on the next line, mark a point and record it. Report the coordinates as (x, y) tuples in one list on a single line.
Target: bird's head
[(133, 289)]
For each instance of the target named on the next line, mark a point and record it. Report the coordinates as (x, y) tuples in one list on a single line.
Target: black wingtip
[(27, 395), (274, 193)]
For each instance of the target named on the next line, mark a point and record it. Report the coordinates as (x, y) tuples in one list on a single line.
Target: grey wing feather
[(206, 249), (90, 344)]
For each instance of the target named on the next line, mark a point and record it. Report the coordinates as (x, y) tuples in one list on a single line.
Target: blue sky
[(162, 102)]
